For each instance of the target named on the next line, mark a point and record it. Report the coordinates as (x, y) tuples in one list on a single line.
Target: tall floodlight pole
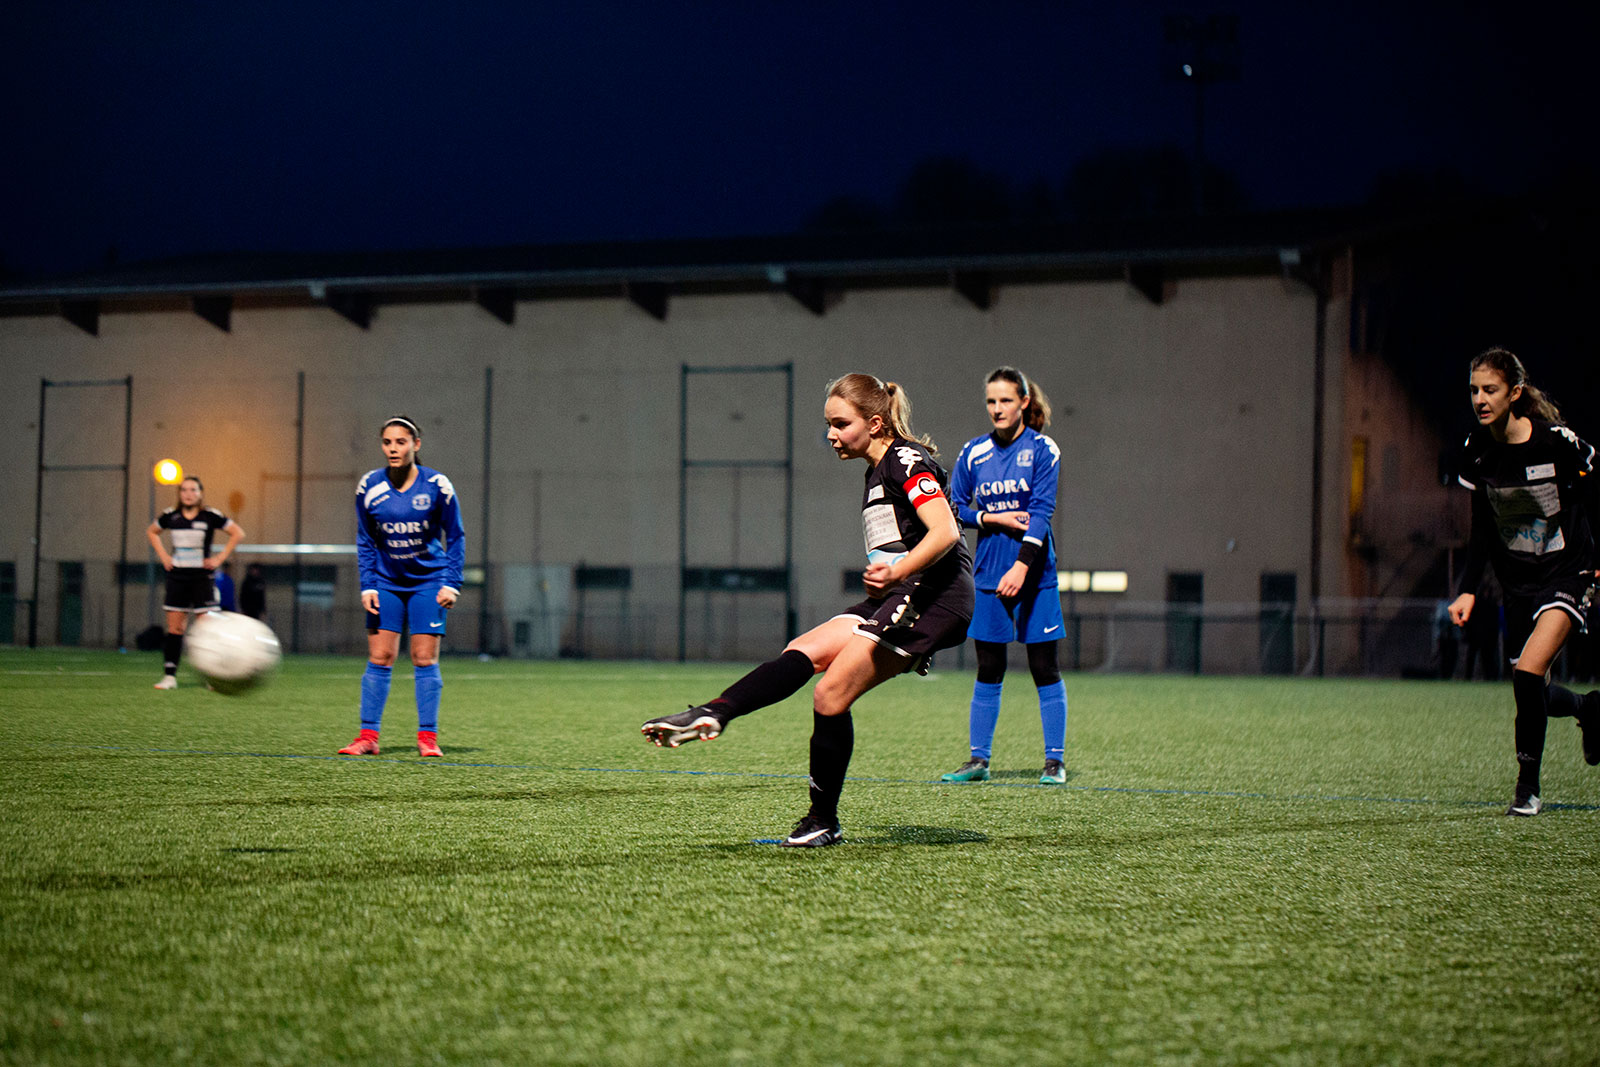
[(1200, 50)]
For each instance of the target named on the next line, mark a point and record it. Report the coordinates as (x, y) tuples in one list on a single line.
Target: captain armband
[(921, 488)]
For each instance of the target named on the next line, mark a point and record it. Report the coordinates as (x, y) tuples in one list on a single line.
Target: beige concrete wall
[(1185, 431)]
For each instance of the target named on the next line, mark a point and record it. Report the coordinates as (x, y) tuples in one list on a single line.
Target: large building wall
[(1185, 429)]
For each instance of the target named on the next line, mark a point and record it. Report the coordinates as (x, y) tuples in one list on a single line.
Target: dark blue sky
[(163, 128)]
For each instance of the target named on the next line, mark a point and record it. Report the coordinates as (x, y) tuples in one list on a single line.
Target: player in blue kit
[(410, 547), (1004, 485)]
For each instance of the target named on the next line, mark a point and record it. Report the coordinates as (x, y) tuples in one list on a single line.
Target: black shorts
[(1573, 595), (942, 624), (190, 590)]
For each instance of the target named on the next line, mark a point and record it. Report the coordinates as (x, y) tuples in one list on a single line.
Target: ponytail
[(1532, 402), (887, 400), (1037, 415)]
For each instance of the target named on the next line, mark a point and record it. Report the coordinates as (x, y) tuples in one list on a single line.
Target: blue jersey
[(1020, 476), (409, 539)]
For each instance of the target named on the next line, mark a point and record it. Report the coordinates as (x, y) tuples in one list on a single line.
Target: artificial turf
[(1237, 871)]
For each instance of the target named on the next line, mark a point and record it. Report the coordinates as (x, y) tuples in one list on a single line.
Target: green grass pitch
[(1238, 871)]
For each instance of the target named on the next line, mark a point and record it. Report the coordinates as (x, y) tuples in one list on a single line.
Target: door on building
[(1185, 594), (69, 604), (1277, 622)]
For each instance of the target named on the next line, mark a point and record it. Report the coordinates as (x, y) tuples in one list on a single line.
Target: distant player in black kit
[(919, 599), (1533, 520), (191, 565)]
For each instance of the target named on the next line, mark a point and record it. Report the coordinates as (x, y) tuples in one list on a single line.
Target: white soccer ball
[(234, 652)]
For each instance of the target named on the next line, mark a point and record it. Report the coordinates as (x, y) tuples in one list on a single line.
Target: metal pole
[(122, 562), (683, 504), (299, 486), (789, 621), (150, 558), (1200, 73), (488, 455), (38, 519), (1318, 403)]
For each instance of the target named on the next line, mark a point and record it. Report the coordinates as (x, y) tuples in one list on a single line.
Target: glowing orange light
[(168, 472)]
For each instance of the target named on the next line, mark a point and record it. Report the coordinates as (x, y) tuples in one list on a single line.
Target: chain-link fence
[(573, 611)]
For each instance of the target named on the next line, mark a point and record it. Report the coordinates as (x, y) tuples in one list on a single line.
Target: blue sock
[(985, 713), (1053, 717), (429, 687), (374, 694)]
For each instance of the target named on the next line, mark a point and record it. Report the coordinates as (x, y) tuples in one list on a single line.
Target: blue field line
[(1218, 794)]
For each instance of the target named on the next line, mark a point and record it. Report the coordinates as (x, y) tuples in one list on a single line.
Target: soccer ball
[(234, 652)]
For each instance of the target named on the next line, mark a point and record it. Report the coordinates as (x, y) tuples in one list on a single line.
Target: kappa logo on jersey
[(421, 502), (1025, 458), (908, 456), (923, 488), (1540, 470)]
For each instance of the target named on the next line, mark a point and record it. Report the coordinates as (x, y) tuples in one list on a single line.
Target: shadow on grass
[(248, 851), (883, 835), (1023, 776), (919, 835)]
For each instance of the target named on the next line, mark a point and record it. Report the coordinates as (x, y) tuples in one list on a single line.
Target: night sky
[(165, 128)]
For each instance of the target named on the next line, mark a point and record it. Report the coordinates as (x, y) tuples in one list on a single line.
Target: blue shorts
[(415, 609), (1033, 617)]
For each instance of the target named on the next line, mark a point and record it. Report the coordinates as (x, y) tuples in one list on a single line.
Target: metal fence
[(559, 618)]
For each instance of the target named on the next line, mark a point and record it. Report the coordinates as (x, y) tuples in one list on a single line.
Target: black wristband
[(1027, 553)]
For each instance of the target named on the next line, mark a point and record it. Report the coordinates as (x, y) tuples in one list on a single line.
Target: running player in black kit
[(919, 599), (1533, 519), (191, 566)]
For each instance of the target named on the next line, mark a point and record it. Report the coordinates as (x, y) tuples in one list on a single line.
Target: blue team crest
[(1025, 458), (421, 502)]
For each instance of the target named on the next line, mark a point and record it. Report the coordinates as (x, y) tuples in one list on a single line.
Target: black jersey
[(1529, 504), (191, 538), (903, 480)]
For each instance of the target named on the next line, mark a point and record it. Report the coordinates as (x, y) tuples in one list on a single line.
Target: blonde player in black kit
[(191, 566), (1533, 517), (919, 599)]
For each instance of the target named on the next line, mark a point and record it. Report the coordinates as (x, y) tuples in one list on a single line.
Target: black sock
[(1562, 703), (1533, 716), (171, 649), (833, 739), (775, 680)]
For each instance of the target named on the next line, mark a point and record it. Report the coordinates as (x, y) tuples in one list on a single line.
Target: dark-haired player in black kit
[(191, 566), (919, 599), (1533, 520)]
